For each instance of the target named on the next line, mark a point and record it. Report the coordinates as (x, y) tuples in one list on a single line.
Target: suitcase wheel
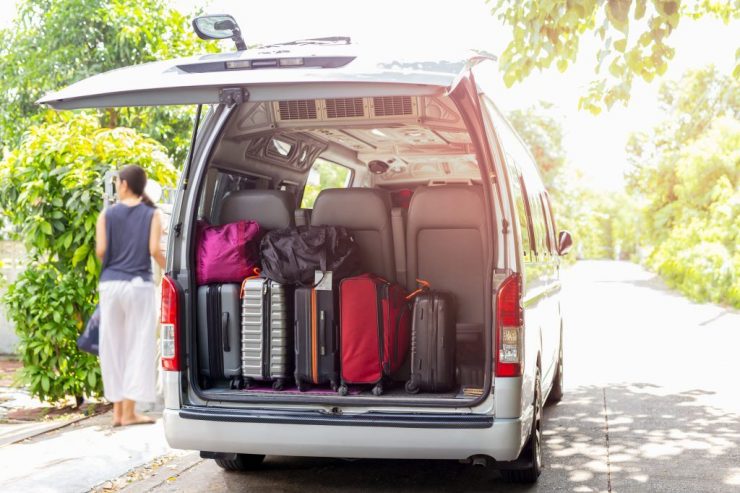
[(412, 387), (278, 384), (236, 383), (343, 390), (334, 385), (378, 389), (301, 386)]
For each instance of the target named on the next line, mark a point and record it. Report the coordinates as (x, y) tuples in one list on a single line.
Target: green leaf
[(45, 383), (79, 254)]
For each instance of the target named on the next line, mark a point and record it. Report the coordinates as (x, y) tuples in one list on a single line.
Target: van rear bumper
[(312, 434)]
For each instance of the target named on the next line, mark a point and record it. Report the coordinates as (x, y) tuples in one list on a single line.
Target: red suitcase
[(375, 320)]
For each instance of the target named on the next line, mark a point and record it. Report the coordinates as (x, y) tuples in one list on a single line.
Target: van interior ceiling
[(415, 153)]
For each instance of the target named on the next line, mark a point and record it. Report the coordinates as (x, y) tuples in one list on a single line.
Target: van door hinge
[(232, 96), (177, 228)]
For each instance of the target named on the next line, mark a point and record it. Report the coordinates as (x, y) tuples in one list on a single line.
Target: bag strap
[(423, 287), (255, 275)]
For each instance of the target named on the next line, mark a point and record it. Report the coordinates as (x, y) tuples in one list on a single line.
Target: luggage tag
[(322, 280)]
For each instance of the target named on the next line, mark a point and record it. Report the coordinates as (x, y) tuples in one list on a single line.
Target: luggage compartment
[(432, 226)]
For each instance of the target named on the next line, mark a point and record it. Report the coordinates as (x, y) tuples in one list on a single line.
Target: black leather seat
[(272, 209), (367, 213)]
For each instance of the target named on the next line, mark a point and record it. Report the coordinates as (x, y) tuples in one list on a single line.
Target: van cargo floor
[(366, 391)]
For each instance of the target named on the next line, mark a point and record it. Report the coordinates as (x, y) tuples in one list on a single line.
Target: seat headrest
[(272, 209), (355, 208), (448, 206)]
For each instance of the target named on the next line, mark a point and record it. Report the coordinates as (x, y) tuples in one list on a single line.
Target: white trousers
[(127, 340)]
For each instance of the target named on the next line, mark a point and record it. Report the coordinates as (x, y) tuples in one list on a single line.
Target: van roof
[(267, 73)]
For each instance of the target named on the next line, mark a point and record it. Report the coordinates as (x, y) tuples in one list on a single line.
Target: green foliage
[(540, 129), (699, 252), (633, 34), (324, 174), (687, 173), (51, 192), (603, 225), (54, 43)]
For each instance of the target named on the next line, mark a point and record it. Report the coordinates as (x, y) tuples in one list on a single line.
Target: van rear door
[(224, 78)]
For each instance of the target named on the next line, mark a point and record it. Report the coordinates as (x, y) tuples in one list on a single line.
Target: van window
[(223, 184), (548, 223), (521, 208), (324, 174), (539, 227)]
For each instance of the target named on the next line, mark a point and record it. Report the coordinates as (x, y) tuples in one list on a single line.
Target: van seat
[(272, 209), (367, 213), (446, 245)]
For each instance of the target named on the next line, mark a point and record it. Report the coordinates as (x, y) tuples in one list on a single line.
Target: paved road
[(652, 404)]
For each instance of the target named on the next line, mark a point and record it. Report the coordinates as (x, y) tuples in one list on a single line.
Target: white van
[(465, 208)]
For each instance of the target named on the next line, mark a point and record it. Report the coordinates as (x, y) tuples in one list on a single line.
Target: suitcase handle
[(322, 331), (225, 330)]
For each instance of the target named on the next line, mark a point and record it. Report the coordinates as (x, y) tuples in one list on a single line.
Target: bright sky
[(595, 144)]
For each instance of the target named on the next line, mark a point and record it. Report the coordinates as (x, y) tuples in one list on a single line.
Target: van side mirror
[(565, 242), (219, 27)]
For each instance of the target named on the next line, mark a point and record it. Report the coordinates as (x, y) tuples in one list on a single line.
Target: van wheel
[(243, 462), (531, 455), (556, 394)]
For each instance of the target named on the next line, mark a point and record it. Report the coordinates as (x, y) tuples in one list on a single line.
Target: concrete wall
[(12, 256)]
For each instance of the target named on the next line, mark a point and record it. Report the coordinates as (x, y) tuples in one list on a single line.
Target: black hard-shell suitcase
[(316, 338), (267, 332), (433, 343), (219, 333)]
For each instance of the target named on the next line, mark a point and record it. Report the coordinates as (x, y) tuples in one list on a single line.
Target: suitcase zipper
[(314, 364), (433, 343), (379, 305), (266, 328)]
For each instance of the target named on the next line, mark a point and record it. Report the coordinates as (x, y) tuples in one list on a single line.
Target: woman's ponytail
[(147, 201)]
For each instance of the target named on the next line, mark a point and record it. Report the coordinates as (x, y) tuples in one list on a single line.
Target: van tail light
[(509, 328), (170, 325)]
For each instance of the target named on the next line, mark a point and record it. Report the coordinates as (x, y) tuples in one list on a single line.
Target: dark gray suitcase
[(219, 333), (267, 332), (433, 343), (316, 338)]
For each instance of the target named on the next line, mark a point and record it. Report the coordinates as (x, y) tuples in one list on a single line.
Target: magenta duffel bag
[(227, 253)]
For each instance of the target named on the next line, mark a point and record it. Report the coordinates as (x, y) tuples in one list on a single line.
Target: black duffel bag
[(292, 255)]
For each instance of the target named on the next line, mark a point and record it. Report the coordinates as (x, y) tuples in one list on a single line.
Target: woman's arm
[(155, 236), (100, 239)]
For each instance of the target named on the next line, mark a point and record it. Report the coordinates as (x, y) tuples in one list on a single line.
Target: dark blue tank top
[(127, 236)]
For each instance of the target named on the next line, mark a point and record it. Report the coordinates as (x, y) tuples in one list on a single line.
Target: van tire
[(243, 462), (556, 393), (531, 455)]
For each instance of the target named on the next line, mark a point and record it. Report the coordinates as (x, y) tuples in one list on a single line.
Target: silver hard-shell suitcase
[(219, 334), (267, 332)]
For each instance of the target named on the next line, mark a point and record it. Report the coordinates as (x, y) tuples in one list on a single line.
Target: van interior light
[(238, 64), (291, 62)]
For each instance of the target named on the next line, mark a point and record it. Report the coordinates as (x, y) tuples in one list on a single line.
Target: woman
[(127, 235)]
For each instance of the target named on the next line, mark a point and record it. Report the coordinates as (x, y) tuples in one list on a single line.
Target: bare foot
[(138, 419)]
